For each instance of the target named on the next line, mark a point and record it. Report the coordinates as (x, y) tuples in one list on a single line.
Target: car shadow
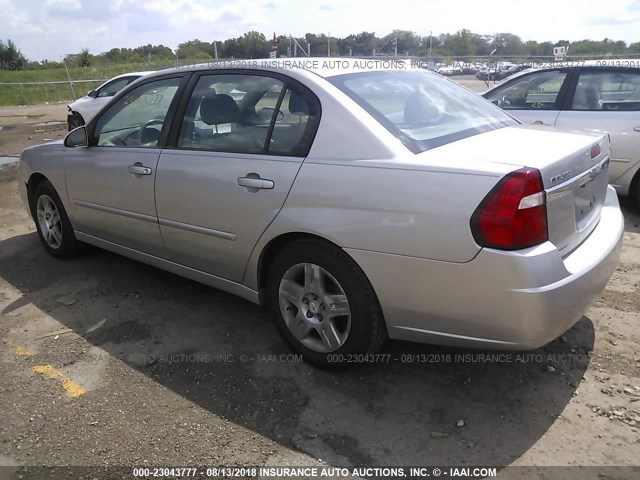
[(221, 353), (631, 212)]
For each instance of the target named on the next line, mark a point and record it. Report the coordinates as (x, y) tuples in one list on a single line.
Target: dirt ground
[(106, 361)]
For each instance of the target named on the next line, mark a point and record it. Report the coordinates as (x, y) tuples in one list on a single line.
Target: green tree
[(508, 44), (195, 49), (254, 45), (84, 58), (10, 56)]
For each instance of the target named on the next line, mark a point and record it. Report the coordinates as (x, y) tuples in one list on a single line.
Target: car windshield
[(423, 110)]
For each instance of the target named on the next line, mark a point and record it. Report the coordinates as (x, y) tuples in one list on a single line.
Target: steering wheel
[(144, 126)]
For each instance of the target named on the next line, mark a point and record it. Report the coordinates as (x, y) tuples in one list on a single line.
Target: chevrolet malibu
[(357, 205)]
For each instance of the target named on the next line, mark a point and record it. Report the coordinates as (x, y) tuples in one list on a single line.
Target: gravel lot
[(106, 361)]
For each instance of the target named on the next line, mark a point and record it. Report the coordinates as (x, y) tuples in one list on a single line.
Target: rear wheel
[(52, 223), (323, 304)]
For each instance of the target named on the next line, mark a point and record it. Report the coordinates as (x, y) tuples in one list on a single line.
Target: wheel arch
[(35, 179), (634, 187), (276, 245)]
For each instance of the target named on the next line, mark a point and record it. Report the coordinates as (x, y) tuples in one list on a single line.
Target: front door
[(111, 183), (531, 98)]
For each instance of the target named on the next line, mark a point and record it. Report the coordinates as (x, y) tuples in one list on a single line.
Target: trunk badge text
[(562, 176)]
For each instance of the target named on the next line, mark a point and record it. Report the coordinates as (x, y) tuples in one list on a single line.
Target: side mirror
[(92, 94), (77, 138)]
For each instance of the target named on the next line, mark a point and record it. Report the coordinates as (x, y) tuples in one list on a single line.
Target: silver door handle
[(538, 122), (261, 183), (637, 129), (139, 169)]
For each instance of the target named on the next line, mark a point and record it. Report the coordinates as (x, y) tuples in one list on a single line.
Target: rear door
[(236, 152), (607, 100), (535, 97)]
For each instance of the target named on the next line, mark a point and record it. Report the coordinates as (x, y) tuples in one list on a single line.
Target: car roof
[(322, 66)]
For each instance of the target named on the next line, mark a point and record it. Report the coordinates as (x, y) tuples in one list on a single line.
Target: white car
[(600, 96), (449, 70), (84, 109)]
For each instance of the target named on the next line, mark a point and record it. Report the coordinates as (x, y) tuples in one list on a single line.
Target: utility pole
[(215, 49), (430, 43), (297, 46), (64, 60), (329, 46), (396, 46)]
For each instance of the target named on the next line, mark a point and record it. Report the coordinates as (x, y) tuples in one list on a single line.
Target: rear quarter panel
[(417, 212)]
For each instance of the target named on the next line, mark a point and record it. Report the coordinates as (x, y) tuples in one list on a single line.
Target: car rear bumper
[(505, 300)]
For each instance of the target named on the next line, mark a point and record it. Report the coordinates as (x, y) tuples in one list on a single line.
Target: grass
[(26, 94)]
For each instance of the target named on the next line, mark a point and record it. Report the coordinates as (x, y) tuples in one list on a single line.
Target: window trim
[(173, 134), (169, 119)]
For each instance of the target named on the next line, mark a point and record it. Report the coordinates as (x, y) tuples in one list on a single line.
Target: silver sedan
[(358, 204)]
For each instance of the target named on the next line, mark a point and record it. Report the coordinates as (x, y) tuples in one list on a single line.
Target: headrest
[(592, 92), (298, 104), (219, 109), (419, 109)]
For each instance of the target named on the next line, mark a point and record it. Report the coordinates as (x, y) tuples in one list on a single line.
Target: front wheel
[(323, 304), (54, 229)]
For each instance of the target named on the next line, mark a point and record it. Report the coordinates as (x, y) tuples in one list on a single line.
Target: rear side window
[(607, 90), (423, 110), (246, 113), (536, 91)]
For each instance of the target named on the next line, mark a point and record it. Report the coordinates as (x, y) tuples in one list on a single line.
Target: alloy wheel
[(314, 307)]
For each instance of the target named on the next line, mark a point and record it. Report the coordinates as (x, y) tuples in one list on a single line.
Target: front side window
[(617, 90), (421, 109), (136, 119), (245, 113), (536, 91)]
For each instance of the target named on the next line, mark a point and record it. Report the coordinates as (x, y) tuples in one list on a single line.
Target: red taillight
[(514, 213)]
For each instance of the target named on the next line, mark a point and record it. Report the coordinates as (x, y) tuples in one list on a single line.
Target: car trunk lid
[(573, 167)]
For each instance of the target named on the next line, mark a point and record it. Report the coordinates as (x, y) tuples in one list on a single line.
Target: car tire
[(52, 223), (75, 120), (323, 305)]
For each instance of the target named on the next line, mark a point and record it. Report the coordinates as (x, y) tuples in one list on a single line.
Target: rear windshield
[(422, 109)]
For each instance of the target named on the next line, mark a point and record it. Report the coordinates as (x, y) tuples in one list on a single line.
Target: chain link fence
[(27, 87)]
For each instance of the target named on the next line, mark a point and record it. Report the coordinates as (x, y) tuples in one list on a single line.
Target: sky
[(48, 29)]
